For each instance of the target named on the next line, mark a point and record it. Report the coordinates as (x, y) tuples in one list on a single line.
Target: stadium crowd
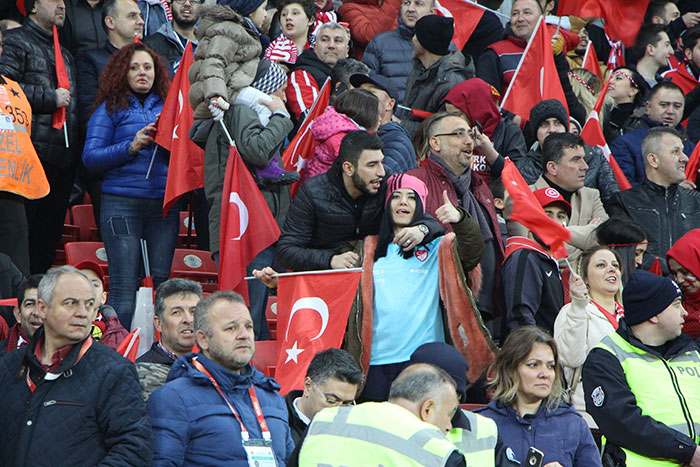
[(530, 286)]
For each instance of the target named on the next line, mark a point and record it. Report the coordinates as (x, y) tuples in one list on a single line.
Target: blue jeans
[(123, 223)]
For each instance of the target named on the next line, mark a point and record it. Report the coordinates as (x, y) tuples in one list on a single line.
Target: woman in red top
[(684, 263)]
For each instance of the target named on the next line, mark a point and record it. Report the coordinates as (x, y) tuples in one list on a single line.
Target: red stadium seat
[(271, 316), (265, 357), (84, 218), (183, 240), (81, 251), (195, 265), (471, 407)]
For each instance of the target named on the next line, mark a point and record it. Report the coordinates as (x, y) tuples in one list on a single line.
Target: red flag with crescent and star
[(529, 212), (247, 225), (469, 15), (301, 148), (312, 314), (186, 168)]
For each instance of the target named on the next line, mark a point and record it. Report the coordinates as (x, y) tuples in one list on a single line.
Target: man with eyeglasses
[(450, 140), (332, 379), (171, 38)]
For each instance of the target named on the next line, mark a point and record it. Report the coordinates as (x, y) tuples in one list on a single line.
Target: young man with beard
[(171, 38), (342, 205)]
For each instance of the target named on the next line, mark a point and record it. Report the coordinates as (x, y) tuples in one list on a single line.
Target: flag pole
[(585, 55), (522, 59), (228, 135), (150, 165), (497, 13), (65, 134), (307, 273)]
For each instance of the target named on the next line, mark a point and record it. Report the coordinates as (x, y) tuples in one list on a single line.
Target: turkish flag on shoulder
[(535, 77), (312, 311), (247, 225), (186, 169), (301, 148), (529, 212), (623, 18), (466, 15)]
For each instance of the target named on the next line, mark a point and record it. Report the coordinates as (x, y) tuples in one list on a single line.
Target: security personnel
[(21, 173), (474, 435), (407, 430), (642, 384)]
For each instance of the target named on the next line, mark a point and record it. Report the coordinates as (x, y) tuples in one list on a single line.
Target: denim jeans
[(124, 221)]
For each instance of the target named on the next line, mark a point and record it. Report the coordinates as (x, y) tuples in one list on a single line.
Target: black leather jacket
[(664, 213), (28, 58)]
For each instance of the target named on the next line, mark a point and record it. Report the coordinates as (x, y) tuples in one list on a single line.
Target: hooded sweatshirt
[(687, 252)]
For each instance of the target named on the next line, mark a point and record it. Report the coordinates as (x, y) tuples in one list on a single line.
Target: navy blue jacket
[(91, 414), (90, 63), (399, 155), (192, 425), (562, 434), (627, 150), (106, 150)]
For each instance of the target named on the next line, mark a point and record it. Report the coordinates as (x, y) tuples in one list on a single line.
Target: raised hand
[(447, 213)]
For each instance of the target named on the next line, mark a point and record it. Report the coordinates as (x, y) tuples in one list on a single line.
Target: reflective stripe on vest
[(478, 444), (666, 390), (373, 434)]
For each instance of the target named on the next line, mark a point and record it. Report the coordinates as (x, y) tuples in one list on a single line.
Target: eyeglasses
[(461, 134), (193, 2), (333, 401)]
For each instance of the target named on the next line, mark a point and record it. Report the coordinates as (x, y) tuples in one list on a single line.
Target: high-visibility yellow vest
[(666, 390), (479, 443), (373, 433)]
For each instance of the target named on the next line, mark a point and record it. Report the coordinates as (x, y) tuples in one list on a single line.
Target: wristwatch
[(423, 228)]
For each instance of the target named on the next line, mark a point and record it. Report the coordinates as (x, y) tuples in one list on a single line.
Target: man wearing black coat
[(28, 59), (660, 204), (67, 399), (344, 204)]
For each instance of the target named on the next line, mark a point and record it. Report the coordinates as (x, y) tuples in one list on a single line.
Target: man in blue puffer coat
[(193, 413)]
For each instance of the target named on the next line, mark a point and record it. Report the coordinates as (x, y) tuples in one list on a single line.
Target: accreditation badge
[(259, 452), (4, 96)]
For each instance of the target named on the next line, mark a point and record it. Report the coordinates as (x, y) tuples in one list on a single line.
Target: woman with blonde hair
[(528, 405), (587, 86), (594, 312)]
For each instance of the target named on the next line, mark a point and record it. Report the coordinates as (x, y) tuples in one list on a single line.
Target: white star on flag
[(293, 353)]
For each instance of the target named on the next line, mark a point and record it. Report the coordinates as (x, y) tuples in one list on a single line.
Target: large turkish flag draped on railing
[(528, 211), (186, 169), (466, 15), (536, 77), (59, 115), (301, 148), (312, 314), (623, 18), (592, 134), (247, 225)]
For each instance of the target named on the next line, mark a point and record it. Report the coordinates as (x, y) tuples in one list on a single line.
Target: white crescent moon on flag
[(314, 303), (242, 213)]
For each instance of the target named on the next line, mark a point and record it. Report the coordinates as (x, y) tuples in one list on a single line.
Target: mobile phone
[(534, 457)]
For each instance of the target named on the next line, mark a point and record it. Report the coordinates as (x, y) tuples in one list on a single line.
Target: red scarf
[(614, 319), (16, 339)]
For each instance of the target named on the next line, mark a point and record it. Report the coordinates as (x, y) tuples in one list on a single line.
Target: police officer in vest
[(408, 430), (474, 435), (642, 383)]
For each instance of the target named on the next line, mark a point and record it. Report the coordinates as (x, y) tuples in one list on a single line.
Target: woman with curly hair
[(119, 145), (527, 403)]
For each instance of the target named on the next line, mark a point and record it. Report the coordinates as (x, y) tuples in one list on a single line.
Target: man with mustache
[(26, 314), (340, 206), (661, 204), (66, 398), (217, 409), (175, 302)]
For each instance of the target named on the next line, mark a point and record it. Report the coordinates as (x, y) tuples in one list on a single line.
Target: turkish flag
[(529, 212), (247, 225), (312, 314), (130, 345), (186, 169), (59, 115), (302, 146), (592, 134), (590, 61), (469, 15), (691, 168), (536, 77), (623, 18)]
